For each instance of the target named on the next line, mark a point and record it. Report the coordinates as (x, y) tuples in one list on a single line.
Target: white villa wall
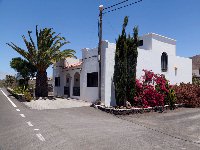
[(60, 71), (89, 65), (57, 72), (183, 65), (147, 42), (108, 62), (149, 58), (160, 46), (71, 73)]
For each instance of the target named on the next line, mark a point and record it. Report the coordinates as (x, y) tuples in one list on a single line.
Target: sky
[(77, 21)]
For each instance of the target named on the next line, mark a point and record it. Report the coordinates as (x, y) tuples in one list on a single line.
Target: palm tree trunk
[(41, 84)]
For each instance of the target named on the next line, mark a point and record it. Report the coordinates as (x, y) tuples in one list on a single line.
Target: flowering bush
[(188, 94), (154, 90)]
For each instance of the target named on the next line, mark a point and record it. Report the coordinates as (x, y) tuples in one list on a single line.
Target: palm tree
[(45, 53)]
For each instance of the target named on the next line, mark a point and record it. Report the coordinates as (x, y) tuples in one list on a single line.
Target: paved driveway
[(86, 128), (180, 124)]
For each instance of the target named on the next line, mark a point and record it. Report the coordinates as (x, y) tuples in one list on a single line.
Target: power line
[(122, 6), (116, 4)]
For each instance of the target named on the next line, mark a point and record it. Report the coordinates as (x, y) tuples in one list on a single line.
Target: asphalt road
[(86, 128)]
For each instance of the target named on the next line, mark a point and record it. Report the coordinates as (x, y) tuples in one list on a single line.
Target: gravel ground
[(57, 103)]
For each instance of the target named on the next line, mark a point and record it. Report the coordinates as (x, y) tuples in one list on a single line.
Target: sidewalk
[(57, 103)]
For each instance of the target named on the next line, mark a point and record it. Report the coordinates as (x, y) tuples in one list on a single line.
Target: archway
[(67, 85), (76, 87)]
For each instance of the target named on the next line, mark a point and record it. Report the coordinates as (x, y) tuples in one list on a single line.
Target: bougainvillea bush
[(188, 94), (154, 90)]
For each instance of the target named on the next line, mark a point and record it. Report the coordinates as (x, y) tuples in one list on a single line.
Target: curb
[(118, 111)]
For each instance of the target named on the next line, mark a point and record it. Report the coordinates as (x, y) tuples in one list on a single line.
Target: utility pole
[(108, 9), (100, 46)]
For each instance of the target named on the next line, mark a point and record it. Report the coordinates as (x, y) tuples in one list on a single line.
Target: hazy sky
[(77, 21)]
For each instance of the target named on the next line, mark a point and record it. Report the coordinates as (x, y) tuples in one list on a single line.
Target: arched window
[(164, 62)]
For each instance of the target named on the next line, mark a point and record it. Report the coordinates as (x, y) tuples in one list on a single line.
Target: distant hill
[(195, 62)]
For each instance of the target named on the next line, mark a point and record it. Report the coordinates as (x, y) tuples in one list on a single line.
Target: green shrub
[(27, 96), (20, 90), (196, 80), (171, 98)]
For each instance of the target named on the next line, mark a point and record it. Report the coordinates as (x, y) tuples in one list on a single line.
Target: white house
[(78, 78)]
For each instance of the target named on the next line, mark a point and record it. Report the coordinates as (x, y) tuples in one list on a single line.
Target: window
[(76, 79), (76, 88), (67, 80), (92, 79), (176, 71), (164, 62), (141, 43), (57, 81)]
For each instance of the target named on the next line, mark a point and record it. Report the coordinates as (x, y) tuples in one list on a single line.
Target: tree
[(24, 68), (43, 54), (120, 69), (132, 54), (2, 83), (9, 80), (125, 65)]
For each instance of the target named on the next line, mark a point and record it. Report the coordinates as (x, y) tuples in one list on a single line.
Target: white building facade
[(79, 78)]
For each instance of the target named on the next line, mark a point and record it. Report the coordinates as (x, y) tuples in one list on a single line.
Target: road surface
[(86, 128)]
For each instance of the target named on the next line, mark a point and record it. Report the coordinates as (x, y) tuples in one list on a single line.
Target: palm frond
[(46, 51), (30, 37), (19, 50)]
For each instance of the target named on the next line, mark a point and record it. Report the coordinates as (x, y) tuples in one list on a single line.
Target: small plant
[(27, 96), (20, 90), (171, 98), (196, 80)]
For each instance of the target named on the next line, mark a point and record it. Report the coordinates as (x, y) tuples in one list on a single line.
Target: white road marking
[(36, 129), (8, 99), (40, 137), (29, 123), (22, 115)]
